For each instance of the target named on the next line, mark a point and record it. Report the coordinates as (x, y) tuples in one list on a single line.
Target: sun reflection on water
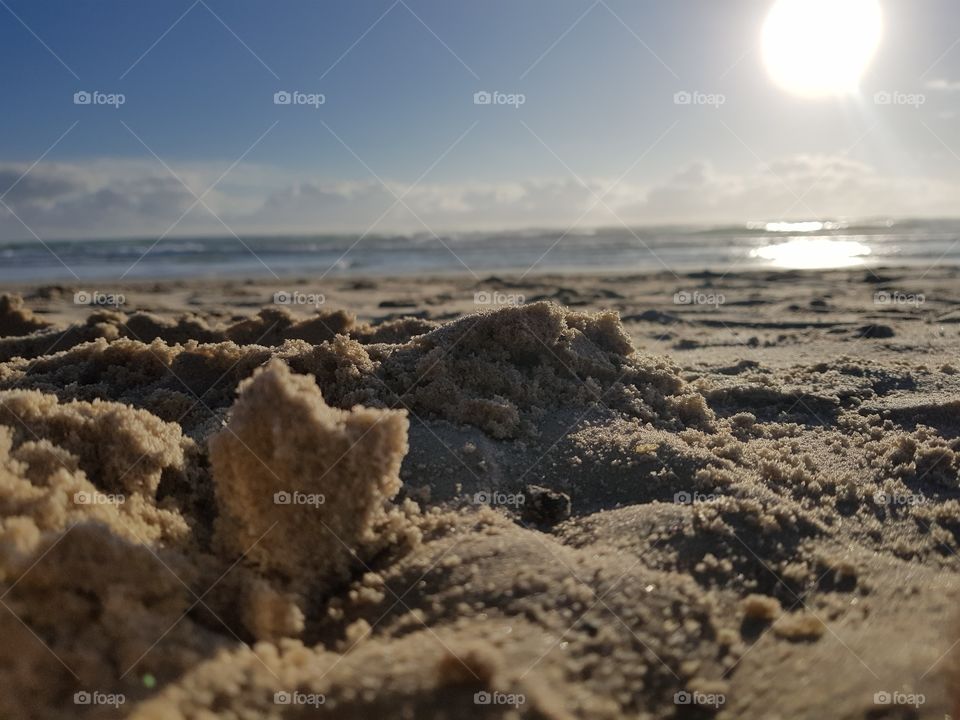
[(813, 253)]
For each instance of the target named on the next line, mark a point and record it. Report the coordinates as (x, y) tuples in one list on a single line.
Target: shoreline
[(49, 275)]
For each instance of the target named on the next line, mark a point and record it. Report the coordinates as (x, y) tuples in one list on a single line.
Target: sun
[(820, 48)]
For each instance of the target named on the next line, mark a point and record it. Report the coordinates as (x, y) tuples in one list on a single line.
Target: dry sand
[(596, 503)]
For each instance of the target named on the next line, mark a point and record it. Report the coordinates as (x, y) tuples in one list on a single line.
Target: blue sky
[(398, 79)]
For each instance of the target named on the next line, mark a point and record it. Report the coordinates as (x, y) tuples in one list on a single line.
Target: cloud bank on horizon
[(132, 199), (209, 117)]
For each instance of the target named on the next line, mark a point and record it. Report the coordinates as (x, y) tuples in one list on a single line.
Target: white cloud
[(110, 198), (801, 186), (944, 85)]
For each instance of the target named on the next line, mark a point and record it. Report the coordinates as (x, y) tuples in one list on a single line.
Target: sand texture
[(582, 500)]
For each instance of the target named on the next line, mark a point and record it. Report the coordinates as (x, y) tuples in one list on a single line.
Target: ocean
[(801, 245)]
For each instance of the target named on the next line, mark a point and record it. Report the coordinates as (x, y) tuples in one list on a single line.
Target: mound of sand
[(504, 371), (501, 372)]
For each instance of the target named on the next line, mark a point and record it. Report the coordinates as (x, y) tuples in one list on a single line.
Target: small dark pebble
[(544, 507), (874, 332)]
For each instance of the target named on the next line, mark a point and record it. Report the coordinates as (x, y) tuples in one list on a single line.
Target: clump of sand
[(83, 612), (300, 485), (16, 319), (66, 463), (126, 449)]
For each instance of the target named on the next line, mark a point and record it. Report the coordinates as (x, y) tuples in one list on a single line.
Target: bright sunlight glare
[(813, 253), (820, 48)]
